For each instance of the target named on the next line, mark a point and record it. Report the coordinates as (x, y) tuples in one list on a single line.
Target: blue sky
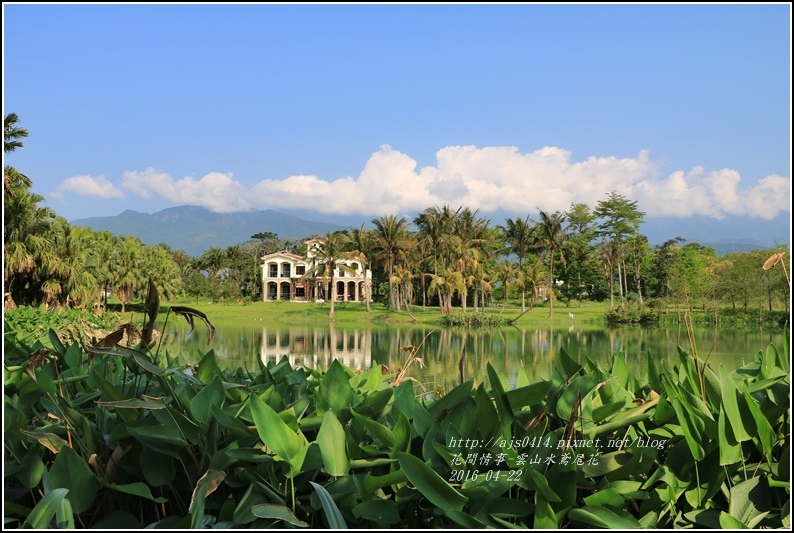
[(366, 110)]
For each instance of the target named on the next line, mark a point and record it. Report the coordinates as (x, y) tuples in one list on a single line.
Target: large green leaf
[(376, 404), (208, 367), (544, 514), (31, 469), (730, 450), (730, 405), (276, 511), (764, 431), (231, 423), (42, 514), (500, 398), (451, 399), (692, 431), (137, 489), (208, 397), (594, 515), (332, 513), (581, 386), (430, 484), (749, 499), (334, 391), (158, 468), (373, 483), (378, 511), (378, 430), (528, 395), (729, 522), (541, 484), (331, 439), (163, 438), (278, 436), (70, 471)]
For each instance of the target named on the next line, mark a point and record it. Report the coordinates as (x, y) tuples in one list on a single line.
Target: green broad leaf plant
[(100, 435)]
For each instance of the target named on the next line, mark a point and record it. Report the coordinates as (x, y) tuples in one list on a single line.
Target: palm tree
[(531, 278), (360, 247), (470, 233), (507, 273), (552, 238), (127, 272), (27, 243), (520, 237), (327, 256), (390, 240), (162, 270), (12, 135), (436, 227), (99, 263), (213, 260), (444, 285), (73, 246)]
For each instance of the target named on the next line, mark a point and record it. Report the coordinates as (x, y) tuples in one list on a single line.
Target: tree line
[(444, 256)]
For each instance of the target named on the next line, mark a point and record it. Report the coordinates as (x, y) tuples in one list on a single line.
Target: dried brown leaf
[(189, 313), (772, 261), (208, 483), (112, 339)]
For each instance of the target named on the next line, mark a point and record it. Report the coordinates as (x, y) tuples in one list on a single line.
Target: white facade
[(284, 277)]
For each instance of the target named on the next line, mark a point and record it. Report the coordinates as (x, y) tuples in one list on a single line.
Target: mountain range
[(195, 229)]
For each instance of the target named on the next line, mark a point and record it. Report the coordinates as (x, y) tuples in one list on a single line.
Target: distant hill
[(731, 234), (196, 229)]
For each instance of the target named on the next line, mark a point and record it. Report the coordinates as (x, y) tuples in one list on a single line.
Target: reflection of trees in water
[(510, 350)]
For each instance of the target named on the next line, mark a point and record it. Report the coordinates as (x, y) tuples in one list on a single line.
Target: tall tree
[(27, 245), (360, 245), (553, 239), (520, 237), (69, 279), (328, 255), (618, 220), (213, 260), (581, 232), (100, 264), (507, 273), (436, 228), (470, 233), (128, 268), (665, 258), (12, 139), (391, 239)]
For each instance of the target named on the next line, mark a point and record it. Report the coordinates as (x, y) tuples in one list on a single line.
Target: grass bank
[(356, 313)]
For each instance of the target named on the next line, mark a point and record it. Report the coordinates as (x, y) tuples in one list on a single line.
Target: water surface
[(441, 350)]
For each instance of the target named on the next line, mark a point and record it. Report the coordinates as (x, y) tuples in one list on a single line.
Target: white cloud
[(716, 194), (216, 191), (87, 186), (486, 179)]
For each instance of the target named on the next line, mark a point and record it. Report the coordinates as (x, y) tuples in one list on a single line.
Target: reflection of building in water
[(318, 347), (286, 276)]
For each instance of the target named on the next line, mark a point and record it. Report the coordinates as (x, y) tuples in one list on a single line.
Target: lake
[(508, 349)]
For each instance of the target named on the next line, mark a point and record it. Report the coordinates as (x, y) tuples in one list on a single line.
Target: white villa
[(283, 278)]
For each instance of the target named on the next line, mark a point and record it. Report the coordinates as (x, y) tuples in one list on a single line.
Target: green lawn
[(355, 313)]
